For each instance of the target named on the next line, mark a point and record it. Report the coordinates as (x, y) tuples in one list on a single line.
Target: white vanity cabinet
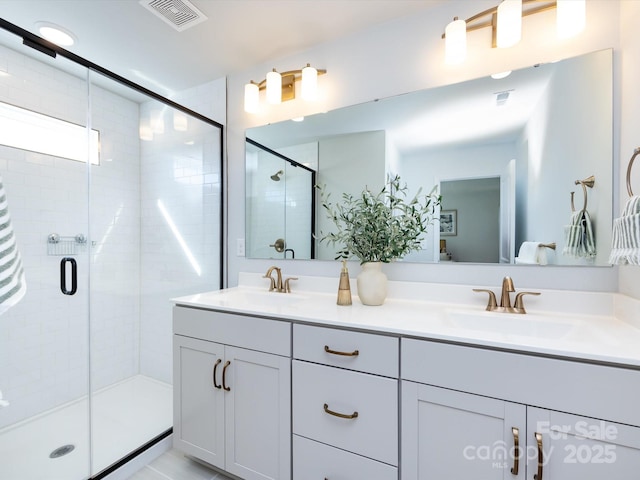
[(449, 434), (232, 384), (345, 404), (476, 413)]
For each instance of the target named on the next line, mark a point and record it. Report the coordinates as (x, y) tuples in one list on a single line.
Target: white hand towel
[(626, 235), (531, 253), (12, 281), (3, 403)]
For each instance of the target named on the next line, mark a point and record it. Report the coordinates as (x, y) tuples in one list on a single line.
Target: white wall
[(477, 205), (348, 164), (427, 168), (555, 164), (630, 124), (407, 55)]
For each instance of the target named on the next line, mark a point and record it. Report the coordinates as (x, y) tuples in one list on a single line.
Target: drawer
[(377, 354), (313, 460), (551, 383), (271, 336), (372, 433)]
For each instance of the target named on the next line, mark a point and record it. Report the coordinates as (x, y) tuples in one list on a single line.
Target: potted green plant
[(378, 228)]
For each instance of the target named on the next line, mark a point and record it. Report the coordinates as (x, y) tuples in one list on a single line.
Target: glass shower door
[(155, 234), (115, 202), (44, 337)]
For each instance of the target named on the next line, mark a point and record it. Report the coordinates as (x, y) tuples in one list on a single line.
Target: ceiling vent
[(502, 97), (180, 14)]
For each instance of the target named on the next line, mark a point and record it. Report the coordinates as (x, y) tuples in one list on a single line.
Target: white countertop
[(599, 336)]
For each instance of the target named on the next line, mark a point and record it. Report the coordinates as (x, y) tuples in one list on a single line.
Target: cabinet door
[(198, 404), (449, 434), (258, 415), (568, 447)]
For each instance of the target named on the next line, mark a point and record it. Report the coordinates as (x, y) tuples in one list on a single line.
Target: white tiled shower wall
[(182, 171), (44, 340)]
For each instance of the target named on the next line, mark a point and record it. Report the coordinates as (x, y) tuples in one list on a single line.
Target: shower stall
[(115, 200), (280, 201)]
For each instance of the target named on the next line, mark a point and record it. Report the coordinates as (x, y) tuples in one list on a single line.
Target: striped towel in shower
[(12, 281), (579, 239), (625, 244)]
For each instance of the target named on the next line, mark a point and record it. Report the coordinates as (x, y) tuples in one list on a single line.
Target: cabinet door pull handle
[(516, 448), (355, 353), (215, 367), (341, 415), (538, 476), (224, 376)]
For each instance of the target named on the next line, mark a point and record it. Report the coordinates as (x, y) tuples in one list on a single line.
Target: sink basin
[(259, 299), (527, 325)]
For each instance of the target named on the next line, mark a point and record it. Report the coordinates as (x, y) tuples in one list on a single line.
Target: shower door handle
[(63, 276)]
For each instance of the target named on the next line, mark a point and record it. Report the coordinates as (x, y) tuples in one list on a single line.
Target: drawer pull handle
[(516, 448), (355, 353), (224, 376), (341, 415), (215, 367), (538, 476)]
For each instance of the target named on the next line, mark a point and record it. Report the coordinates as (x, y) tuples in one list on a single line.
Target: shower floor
[(125, 416)]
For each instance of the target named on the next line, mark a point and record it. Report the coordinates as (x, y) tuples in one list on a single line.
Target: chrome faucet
[(277, 285), (505, 299)]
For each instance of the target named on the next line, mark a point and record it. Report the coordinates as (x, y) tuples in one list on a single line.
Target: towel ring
[(587, 182), (636, 152)]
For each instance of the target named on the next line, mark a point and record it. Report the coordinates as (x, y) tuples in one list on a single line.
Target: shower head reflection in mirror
[(551, 130)]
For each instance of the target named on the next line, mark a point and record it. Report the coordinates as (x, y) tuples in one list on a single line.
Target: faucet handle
[(492, 304), (287, 286), (519, 305), (272, 286)]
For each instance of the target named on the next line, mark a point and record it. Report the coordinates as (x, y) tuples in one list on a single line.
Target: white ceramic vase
[(372, 284)]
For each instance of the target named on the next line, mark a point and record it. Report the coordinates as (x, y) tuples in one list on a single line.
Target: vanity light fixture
[(509, 23), (274, 87), (456, 41), (505, 21), (280, 87)]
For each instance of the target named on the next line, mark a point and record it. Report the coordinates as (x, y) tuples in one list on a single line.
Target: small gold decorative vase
[(344, 289)]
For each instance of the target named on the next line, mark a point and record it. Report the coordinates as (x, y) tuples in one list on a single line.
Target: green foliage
[(379, 227)]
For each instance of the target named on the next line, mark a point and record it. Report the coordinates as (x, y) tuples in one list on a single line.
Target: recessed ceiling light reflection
[(56, 34), (498, 76)]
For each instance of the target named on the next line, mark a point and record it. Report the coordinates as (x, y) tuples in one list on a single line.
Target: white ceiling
[(126, 38)]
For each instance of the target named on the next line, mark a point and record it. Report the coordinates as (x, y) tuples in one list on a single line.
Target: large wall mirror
[(520, 161)]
